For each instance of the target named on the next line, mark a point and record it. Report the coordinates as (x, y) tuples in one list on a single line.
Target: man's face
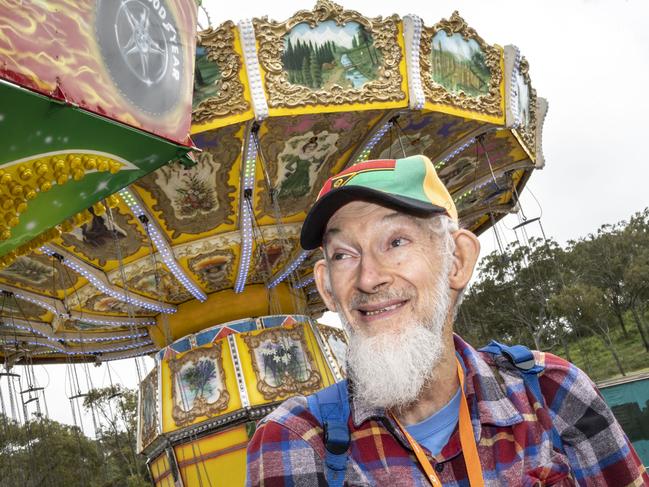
[(383, 266), (389, 283)]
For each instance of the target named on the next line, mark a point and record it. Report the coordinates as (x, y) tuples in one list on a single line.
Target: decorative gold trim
[(230, 99), (528, 132), (201, 406), (283, 94), (489, 104), (328, 331), (289, 385)]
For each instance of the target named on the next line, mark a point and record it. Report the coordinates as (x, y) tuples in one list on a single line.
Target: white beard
[(390, 369)]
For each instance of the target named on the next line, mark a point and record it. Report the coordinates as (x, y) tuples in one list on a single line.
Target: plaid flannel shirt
[(512, 431)]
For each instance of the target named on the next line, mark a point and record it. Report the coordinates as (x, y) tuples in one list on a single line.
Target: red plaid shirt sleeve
[(598, 450), (280, 453)]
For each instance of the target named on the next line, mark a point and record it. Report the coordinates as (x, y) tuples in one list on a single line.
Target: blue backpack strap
[(330, 406), (523, 359)]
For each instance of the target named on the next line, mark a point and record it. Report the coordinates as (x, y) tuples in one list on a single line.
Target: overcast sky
[(590, 59)]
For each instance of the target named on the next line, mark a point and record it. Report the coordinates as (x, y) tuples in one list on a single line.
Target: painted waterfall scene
[(330, 54)]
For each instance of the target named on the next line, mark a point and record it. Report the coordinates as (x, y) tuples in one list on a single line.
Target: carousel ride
[(116, 242)]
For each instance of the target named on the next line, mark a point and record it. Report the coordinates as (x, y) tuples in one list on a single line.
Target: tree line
[(303, 61), (42, 451), (558, 298)]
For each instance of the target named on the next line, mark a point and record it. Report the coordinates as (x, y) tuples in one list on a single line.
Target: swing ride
[(115, 243)]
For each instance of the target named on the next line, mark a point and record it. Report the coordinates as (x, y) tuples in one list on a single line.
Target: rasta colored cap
[(410, 184)]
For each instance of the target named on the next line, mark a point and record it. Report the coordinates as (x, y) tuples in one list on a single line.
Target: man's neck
[(435, 394)]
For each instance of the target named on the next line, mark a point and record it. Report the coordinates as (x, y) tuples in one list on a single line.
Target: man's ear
[(467, 249), (321, 274)]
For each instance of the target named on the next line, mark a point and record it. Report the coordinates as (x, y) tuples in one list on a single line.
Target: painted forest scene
[(330, 54), (207, 77), (459, 65)]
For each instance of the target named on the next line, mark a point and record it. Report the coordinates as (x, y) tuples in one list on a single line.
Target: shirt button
[(439, 467)]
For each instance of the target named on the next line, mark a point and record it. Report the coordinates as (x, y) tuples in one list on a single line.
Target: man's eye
[(338, 256), (398, 242)]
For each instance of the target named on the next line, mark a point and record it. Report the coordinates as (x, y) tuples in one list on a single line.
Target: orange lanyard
[(469, 448)]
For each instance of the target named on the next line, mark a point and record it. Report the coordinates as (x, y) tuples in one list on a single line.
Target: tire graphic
[(141, 48)]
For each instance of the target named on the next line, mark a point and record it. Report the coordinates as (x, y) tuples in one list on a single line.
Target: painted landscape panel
[(207, 77), (459, 65), (330, 54)]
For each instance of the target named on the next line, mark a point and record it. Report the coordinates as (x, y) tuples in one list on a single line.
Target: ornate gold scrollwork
[(488, 104), (200, 405), (282, 93), (329, 332), (229, 99), (289, 384)]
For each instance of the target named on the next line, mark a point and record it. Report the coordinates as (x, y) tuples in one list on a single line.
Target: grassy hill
[(590, 354)]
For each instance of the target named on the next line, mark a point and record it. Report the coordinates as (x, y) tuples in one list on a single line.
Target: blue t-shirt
[(435, 431)]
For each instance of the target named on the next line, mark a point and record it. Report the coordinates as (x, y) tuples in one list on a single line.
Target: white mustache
[(362, 299)]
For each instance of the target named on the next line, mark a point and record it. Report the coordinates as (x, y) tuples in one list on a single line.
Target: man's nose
[(372, 274)]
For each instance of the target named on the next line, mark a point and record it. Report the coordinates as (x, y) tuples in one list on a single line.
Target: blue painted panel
[(207, 336), (182, 345), (243, 326), (273, 321)]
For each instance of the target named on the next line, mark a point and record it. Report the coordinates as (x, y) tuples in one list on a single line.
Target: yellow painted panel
[(168, 423), (450, 110), (222, 122), (518, 151), (222, 307), (220, 457), (524, 146), (231, 386), (502, 82), (160, 470), (403, 69), (351, 107)]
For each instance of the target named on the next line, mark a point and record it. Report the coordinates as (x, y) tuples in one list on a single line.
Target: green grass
[(590, 354)]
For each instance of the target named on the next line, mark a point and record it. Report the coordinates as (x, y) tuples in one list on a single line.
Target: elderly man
[(423, 407)]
